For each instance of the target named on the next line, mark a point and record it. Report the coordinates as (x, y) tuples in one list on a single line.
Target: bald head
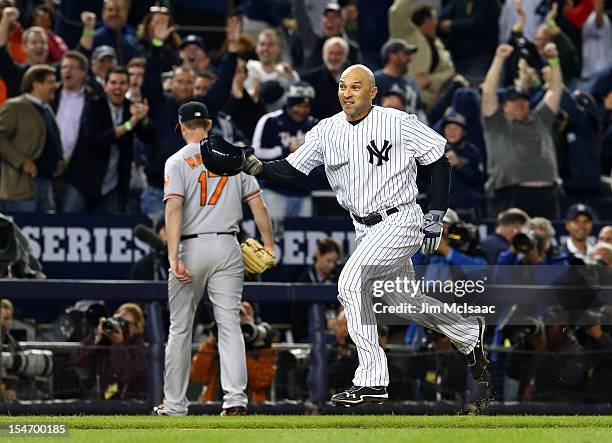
[(362, 72), (356, 90)]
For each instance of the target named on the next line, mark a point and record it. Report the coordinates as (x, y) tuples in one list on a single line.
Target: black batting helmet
[(221, 157)]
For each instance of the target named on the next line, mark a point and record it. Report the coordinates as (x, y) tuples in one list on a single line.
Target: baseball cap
[(450, 217), (512, 93), (193, 39), (103, 51), (454, 117), (192, 111), (587, 104), (331, 6), (300, 92), (271, 91), (578, 209), (396, 45)]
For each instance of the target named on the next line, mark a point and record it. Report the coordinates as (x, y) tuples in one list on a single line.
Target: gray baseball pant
[(216, 263)]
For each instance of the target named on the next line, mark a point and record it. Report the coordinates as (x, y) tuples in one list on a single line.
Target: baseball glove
[(256, 258)]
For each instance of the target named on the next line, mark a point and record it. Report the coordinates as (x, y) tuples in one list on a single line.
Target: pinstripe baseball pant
[(388, 246)]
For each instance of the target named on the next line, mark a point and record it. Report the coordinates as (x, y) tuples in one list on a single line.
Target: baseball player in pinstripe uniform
[(202, 215), (370, 155)]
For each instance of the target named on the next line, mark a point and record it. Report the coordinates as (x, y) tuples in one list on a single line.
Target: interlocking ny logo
[(382, 155)]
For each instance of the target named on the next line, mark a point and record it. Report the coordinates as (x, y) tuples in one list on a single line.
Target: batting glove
[(251, 165), (432, 229)]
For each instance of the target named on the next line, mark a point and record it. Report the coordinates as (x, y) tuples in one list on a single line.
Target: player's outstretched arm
[(174, 221), (263, 222), (279, 171), (440, 190)]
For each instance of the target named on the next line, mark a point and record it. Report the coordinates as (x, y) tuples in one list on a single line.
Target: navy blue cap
[(578, 209), (455, 117), (193, 39), (395, 45), (512, 93), (300, 92)]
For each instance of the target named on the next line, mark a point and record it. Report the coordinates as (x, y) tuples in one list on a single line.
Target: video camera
[(29, 363)]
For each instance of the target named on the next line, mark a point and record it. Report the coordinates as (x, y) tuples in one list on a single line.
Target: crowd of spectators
[(521, 89)]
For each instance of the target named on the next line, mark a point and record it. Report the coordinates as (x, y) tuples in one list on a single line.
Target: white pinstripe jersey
[(370, 166), (210, 203)]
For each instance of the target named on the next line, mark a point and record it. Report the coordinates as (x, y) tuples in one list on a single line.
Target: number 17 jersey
[(211, 203)]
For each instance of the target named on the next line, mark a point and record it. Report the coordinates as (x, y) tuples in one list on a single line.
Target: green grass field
[(353, 428)]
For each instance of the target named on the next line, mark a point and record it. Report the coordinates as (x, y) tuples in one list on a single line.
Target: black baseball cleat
[(234, 411), (360, 395), (477, 359)]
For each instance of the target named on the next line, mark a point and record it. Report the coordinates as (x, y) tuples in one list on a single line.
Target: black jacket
[(89, 95), (11, 72), (325, 103), (89, 161)]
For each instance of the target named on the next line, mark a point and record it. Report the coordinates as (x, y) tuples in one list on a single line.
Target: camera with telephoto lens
[(463, 237), (29, 363), (531, 327), (115, 323), (256, 334), (525, 241)]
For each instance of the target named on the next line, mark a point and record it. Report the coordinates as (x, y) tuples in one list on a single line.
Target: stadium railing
[(152, 294)]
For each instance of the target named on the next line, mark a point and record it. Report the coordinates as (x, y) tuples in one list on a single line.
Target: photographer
[(534, 246), (154, 265), (459, 247), (561, 371), (518, 364), (262, 359), (7, 391), (19, 369), (508, 224), (323, 271), (115, 355), (597, 341), (440, 373)]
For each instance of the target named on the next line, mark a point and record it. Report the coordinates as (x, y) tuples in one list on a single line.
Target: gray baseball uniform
[(212, 209)]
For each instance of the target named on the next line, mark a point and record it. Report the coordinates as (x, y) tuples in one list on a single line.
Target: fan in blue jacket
[(468, 177), (279, 133)]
